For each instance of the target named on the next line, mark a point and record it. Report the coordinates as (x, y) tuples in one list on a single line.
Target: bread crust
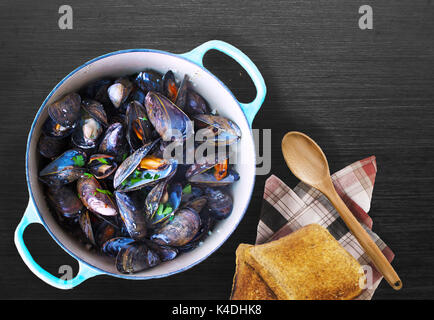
[(247, 284), (308, 264)]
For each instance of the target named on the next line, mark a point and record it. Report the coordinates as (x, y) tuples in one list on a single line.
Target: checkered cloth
[(285, 210)]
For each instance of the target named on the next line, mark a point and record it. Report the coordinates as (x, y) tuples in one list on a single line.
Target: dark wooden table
[(358, 93)]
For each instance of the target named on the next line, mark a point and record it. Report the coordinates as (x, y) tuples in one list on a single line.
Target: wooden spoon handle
[(363, 237)]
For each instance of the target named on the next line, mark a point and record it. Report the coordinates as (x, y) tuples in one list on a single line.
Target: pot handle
[(249, 109), (85, 272)]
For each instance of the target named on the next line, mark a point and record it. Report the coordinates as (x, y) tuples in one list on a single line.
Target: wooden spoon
[(308, 163)]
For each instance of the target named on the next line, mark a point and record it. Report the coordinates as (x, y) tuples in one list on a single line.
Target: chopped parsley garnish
[(107, 192), (164, 210), (143, 118), (156, 176), (187, 189), (135, 180), (148, 175), (136, 173), (102, 160), (124, 156), (78, 160), (160, 209), (167, 210), (88, 175)]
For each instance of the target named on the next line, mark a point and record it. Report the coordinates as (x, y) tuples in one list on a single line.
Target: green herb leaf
[(88, 175), (102, 160), (107, 192), (143, 118), (148, 175), (134, 180), (136, 173), (124, 156), (160, 209), (187, 189), (156, 176), (167, 210), (78, 160)]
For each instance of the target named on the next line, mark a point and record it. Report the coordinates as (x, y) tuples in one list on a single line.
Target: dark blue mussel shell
[(66, 168), (149, 80)]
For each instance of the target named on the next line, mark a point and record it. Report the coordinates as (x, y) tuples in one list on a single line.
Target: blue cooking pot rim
[(195, 56)]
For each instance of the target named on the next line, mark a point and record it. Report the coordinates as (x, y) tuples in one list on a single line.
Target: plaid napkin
[(285, 210)]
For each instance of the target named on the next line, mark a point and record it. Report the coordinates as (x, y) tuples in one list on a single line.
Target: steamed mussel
[(94, 197), (62, 116), (91, 125), (66, 168), (119, 91), (107, 176), (101, 165)]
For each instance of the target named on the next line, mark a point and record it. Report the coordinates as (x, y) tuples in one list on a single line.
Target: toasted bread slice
[(247, 284), (308, 264)]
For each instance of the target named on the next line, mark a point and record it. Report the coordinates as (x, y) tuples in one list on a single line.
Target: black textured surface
[(357, 93)]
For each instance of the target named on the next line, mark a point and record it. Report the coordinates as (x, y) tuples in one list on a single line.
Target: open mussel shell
[(203, 173), (136, 257), (53, 129), (139, 128), (220, 202), (87, 132), (101, 165), (168, 120), (65, 111), (162, 201), (50, 147), (114, 245), (65, 202), (170, 88), (119, 91), (217, 130), (182, 227), (141, 178), (207, 178), (132, 214), (66, 168), (94, 197), (129, 165), (149, 80), (95, 110), (205, 163)]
